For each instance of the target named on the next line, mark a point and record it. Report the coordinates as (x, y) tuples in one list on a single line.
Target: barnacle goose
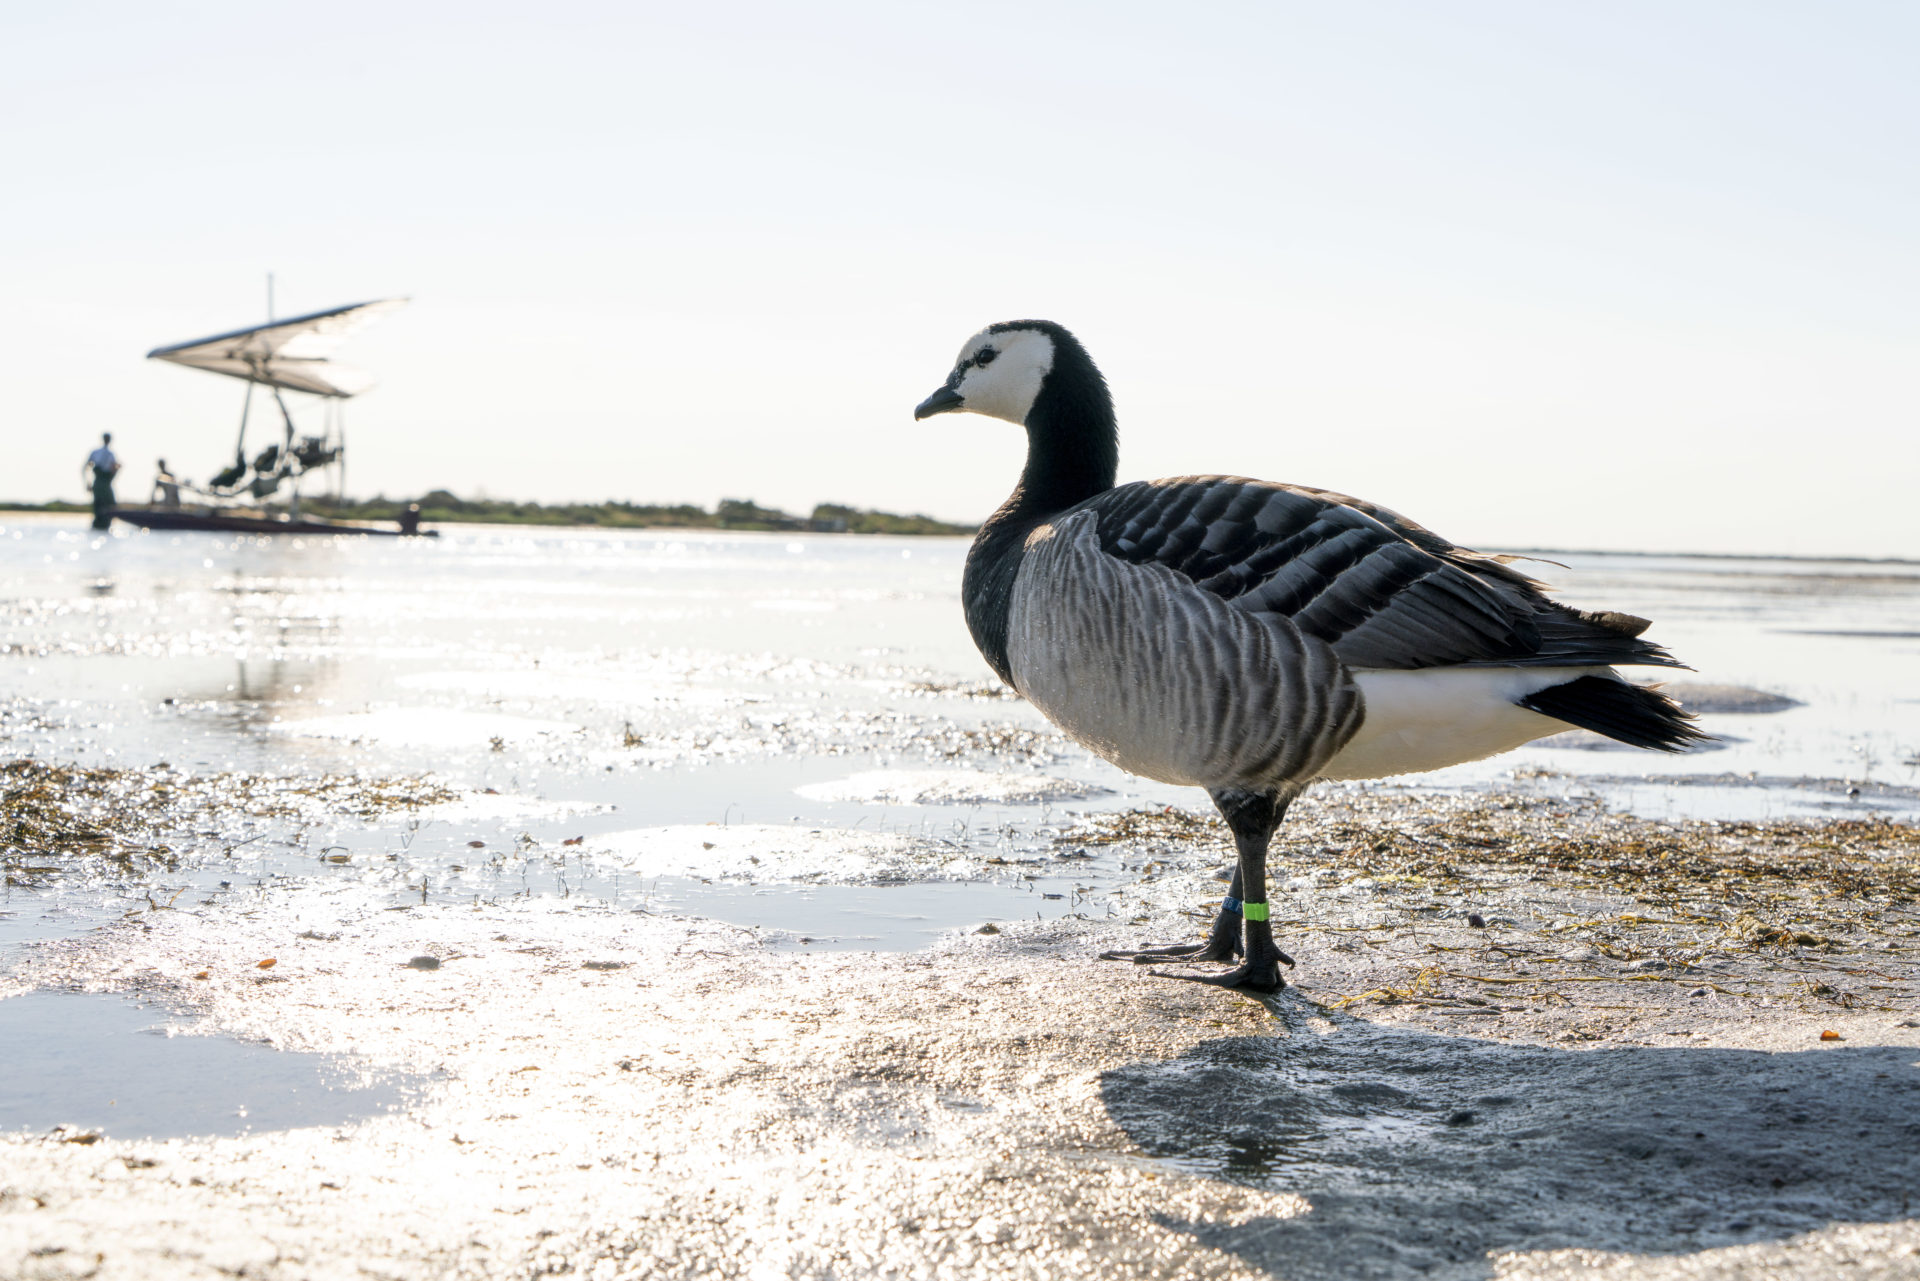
[(1250, 637)]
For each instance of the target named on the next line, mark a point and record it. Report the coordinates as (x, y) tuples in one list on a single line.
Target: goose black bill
[(943, 401)]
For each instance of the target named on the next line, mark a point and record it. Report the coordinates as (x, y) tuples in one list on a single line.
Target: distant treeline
[(54, 506), (731, 513)]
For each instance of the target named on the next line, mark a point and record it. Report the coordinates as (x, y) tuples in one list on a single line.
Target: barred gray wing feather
[(1379, 589), (1168, 681)]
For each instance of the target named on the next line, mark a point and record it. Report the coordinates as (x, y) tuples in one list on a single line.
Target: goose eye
[(986, 356)]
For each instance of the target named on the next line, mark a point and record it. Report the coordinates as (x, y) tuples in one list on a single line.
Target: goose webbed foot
[(1222, 945), (1259, 973)]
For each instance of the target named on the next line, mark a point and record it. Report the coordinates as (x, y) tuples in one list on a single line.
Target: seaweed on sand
[(52, 815), (1396, 870), (1444, 842)]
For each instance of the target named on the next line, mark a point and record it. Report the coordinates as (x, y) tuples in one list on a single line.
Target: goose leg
[(1223, 939), (1252, 817)]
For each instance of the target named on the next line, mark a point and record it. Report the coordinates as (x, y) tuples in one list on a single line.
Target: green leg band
[(1254, 911)]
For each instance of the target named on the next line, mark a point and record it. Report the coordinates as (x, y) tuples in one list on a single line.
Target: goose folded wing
[(1382, 591)]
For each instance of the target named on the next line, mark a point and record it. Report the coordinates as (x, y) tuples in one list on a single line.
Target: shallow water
[(110, 1065), (814, 698), (693, 676)]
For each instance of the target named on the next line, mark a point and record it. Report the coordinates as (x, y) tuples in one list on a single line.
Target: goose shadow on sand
[(1421, 1153)]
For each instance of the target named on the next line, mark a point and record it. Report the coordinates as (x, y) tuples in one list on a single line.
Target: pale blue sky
[(1634, 275)]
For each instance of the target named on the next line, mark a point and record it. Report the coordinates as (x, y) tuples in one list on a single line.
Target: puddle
[(877, 918), (104, 1063), (762, 852), (948, 787), (839, 889)]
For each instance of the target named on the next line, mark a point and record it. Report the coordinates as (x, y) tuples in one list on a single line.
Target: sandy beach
[(1590, 1082)]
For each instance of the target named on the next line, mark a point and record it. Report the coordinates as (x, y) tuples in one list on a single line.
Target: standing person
[(103, 465)]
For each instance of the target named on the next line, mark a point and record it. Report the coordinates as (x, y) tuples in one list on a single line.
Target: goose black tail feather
[(1631, 714)]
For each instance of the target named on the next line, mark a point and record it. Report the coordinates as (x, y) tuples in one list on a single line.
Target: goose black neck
[(1073, 443), (1073, 454)]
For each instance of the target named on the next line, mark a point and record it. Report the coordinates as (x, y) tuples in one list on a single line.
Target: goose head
[(1036, 374), (1000, 373)]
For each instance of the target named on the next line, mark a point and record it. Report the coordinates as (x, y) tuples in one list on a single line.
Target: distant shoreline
[(1531, 553), (440, 507)]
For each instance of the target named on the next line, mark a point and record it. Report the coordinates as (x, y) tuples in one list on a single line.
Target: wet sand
[(1587, 1081)]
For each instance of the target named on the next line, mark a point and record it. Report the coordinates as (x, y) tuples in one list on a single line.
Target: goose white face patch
[(1006, 385)]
